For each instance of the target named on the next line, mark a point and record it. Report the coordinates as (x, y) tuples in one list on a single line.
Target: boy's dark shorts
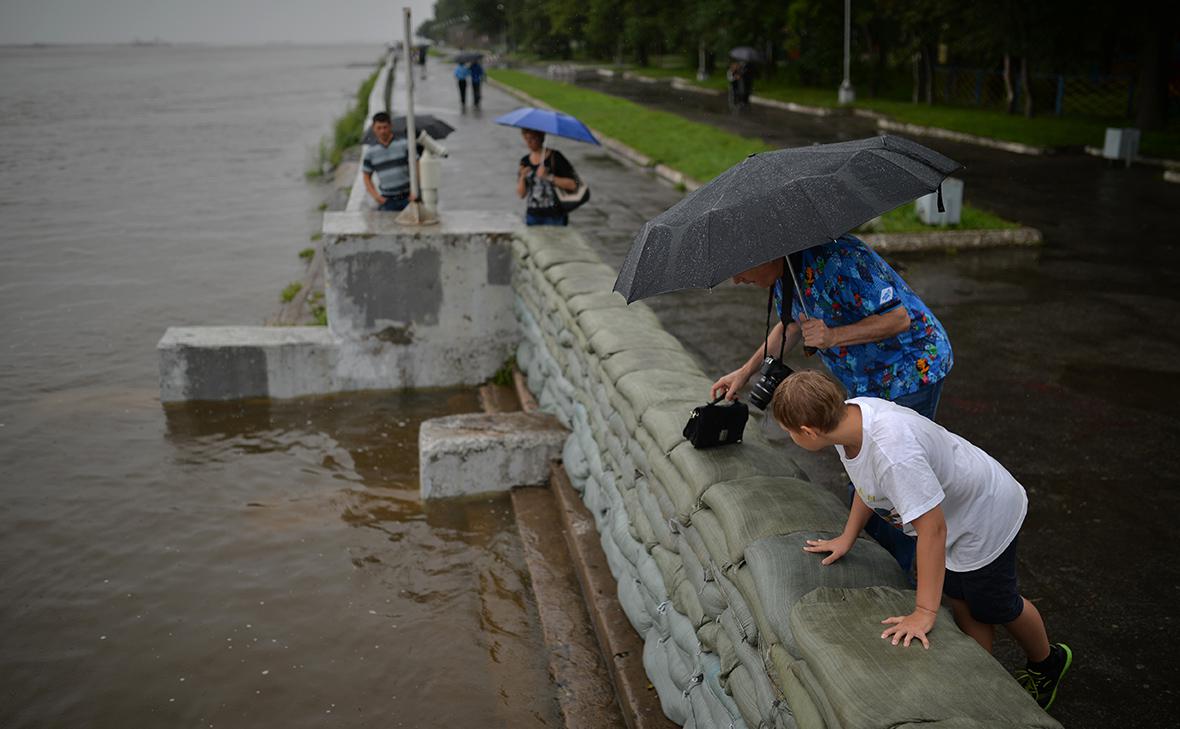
[(991, 592)]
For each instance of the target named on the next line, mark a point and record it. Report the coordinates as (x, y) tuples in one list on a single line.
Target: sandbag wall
[(741, 627)]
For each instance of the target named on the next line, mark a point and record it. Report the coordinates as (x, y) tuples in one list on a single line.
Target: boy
[(964, 507)]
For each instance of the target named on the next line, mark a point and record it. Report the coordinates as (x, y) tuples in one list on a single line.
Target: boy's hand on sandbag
[(838, 548), (905, 628)]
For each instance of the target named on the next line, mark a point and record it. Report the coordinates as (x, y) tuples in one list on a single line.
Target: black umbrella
[(773, 204), (435, 127), (468, 57), (745, 53)]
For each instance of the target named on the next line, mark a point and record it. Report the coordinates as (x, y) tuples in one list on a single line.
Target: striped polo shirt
[(391, 166)]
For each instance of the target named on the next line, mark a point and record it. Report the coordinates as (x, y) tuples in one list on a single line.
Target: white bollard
[(1121, 144), (952, 202)]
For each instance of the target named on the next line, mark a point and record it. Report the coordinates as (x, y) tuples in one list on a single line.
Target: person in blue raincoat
[(462, 73), (873, 332), (475, 69)]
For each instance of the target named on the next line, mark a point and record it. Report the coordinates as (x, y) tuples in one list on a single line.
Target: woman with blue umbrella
[(545, 176)]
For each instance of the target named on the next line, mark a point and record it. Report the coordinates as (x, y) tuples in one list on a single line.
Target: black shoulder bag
[(716, 425)]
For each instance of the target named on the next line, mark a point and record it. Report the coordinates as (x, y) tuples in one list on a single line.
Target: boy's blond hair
[(811, 398)]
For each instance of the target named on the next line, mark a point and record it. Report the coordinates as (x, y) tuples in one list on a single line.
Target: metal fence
[(1060, 94)]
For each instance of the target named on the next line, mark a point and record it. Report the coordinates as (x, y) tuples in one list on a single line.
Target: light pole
[(847, 94)]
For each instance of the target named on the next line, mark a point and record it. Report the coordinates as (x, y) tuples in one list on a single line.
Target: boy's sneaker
[(1042, 684)]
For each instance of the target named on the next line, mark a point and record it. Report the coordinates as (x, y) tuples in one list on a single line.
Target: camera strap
[(782, 316)]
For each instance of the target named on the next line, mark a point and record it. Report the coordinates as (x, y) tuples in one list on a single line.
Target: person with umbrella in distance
[(388, 159), (765, 222), (462, 73), (475, 69), (545, 178)]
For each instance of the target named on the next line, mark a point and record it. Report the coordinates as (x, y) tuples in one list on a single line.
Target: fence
[(1093, 95)]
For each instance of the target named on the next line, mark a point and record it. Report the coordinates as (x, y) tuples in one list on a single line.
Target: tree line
[(896, 44)]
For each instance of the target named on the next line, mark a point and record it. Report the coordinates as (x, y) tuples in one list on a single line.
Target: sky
[(206, 21)]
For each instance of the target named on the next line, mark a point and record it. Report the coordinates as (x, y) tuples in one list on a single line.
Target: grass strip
[(1040, 131), (699, 150)]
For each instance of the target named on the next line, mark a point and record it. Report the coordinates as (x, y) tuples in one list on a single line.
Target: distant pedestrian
[(477, 76), (733, 75), (389, 161), (746, 73), (538, 179), (462, 72)]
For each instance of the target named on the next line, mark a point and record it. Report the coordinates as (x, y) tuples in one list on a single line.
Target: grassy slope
[(1041, 131)]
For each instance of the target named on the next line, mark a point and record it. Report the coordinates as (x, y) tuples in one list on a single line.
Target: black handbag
[(716, 425)]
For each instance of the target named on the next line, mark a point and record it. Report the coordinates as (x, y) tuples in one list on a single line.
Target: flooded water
[(214, 565)]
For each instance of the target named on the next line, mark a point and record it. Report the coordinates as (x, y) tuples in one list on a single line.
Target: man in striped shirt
[(389, 161)]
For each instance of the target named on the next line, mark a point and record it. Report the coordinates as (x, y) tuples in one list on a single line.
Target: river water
[(227, 565)]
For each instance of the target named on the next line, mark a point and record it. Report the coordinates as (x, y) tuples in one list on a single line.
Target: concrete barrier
[(475, 453)]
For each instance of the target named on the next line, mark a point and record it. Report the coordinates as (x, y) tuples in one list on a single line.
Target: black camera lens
[(773, 372)]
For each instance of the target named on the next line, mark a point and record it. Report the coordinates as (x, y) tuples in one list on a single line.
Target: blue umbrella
[(549, 122)]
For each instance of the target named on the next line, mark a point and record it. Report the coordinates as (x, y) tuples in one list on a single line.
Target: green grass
[(318, 235), (905, 220), (698, 150), (307, 254), (503, 375), (290, 290), (1040, 131)]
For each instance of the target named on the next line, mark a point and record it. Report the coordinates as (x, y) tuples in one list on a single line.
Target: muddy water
[(253, 564)]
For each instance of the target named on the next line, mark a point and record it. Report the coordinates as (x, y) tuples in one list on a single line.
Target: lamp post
[(847, 94)]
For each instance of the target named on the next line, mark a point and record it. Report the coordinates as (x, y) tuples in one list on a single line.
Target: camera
[(773, 372)]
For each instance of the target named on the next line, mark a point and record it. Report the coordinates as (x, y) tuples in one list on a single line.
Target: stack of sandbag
[(741, 627)]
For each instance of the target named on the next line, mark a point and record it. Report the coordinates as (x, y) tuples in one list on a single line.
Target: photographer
[(874, 334)]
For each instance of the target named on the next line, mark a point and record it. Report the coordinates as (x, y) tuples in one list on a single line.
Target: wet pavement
[(1066, 371)]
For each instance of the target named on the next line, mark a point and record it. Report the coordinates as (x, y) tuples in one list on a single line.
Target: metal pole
[(847, 95), (411, 131)]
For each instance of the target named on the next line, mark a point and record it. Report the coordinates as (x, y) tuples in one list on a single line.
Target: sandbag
[(782, 573), (546, 258), (622, 363), (744, 627), (573, 459), (595, 320), (665, 421), (742, 689), (655, 663), (712, 535), (612, 341), (744, 582), (688, 603), (684, 633), (651, 509), (649, 387), (701, 578), (759, 506), (811, 710), (700, 469), (576, 270), (710, 670), (585, 285), (670, 566), (634, 606), (838, 632), (599, 300)]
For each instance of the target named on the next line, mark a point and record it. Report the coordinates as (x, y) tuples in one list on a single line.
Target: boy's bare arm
[(858, 516), (931, 556)]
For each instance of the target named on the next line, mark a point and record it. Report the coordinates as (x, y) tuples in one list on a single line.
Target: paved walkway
[(1067, 363)]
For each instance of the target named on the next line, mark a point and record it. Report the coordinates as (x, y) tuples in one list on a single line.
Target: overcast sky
[(205, 21)]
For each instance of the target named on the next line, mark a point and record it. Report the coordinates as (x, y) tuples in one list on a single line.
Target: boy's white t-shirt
[(908, 464)]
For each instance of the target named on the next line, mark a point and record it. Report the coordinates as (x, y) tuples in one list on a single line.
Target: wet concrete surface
[(1066, 370), (1066, 364)]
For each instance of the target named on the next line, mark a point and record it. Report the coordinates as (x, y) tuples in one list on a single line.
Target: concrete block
[(484, 452), (228, 363), (427, 306)]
